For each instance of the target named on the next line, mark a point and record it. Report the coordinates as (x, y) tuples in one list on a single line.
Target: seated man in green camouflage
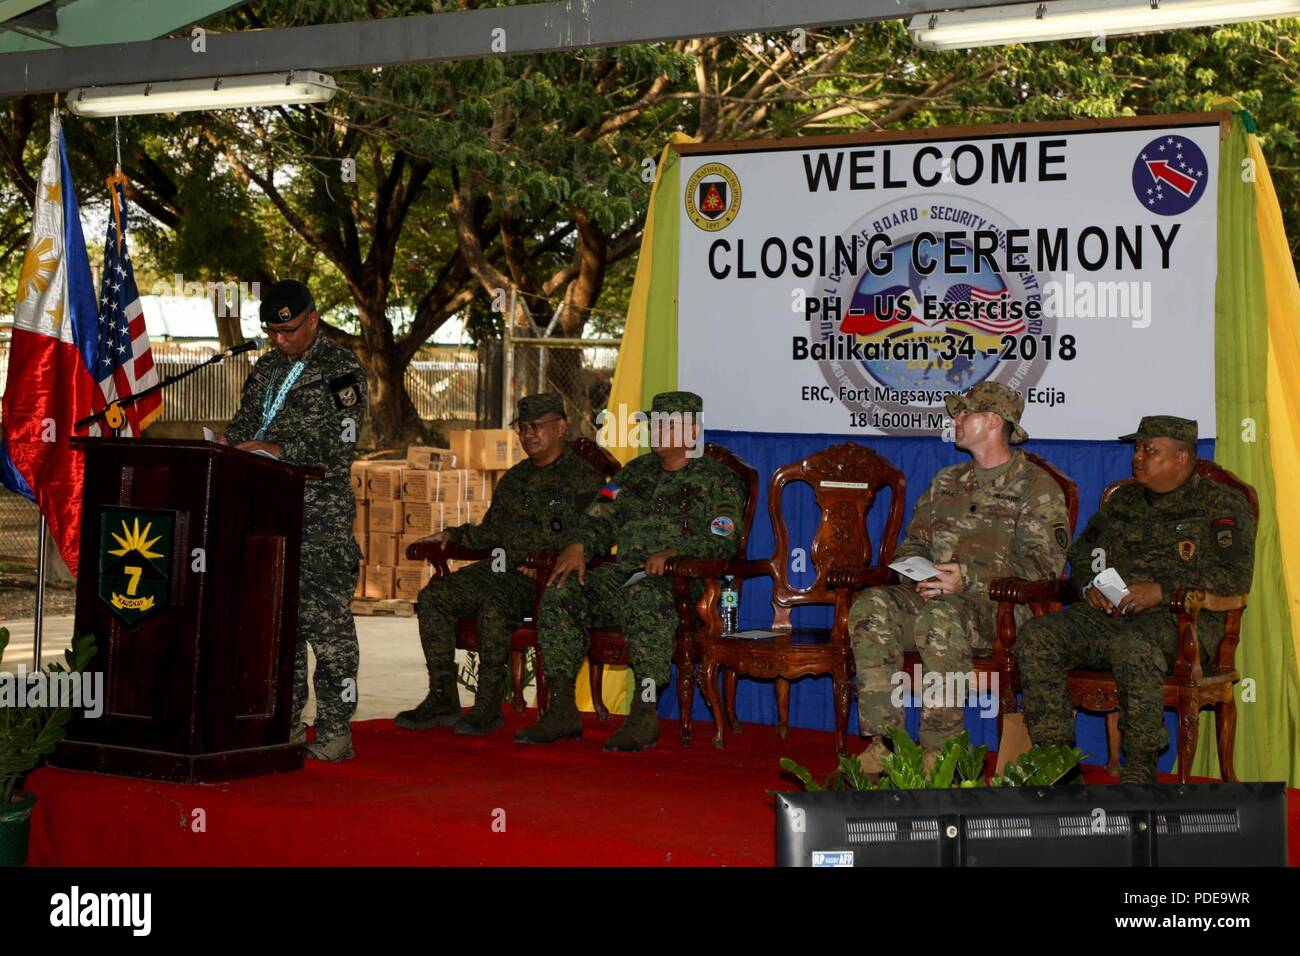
[(674, 503), (1170, 529), (535, 506)]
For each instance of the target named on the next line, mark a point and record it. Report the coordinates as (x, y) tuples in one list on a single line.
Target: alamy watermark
[(225, 296), (42, 688), (946, 689), (627, 428)]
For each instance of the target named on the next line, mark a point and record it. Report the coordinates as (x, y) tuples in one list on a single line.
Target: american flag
[(984, 323), (123, 362)]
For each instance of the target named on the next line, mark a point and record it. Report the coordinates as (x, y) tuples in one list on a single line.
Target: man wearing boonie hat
[(536, 506), (1170, 528), (304, 403), (997, 515), (660, 506)]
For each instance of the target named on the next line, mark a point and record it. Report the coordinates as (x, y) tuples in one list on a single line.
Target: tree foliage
[(523, 173)]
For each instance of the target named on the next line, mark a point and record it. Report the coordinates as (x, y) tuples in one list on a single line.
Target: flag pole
[(40, 591)]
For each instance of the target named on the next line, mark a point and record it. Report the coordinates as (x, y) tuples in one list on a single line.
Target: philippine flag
[(52, 351)]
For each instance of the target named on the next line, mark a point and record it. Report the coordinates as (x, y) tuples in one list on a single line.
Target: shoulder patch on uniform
[(1062, 536), (610, 491), (722, 526), (346, 390)]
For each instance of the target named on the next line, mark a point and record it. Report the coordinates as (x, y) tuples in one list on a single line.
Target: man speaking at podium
[(304, 403)]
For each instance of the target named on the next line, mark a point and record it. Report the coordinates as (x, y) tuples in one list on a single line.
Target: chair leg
[(709, 684), (1189, 710), (517, 680), (1225, 723), (782, 708), (732, 719), (1113, 741), (843, 694), (596, 680), (686, 697), (543, 687)]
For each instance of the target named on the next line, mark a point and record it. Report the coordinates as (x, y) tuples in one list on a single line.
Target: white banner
[(848, 288)]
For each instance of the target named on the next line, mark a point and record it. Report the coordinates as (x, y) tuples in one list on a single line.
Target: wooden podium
[(188, 579)]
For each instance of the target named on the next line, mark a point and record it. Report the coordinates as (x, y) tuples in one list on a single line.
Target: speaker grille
[(915, 830), (1198, 823), (1047, 827)]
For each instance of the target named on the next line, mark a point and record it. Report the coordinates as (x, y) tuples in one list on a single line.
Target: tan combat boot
[(870, 760)]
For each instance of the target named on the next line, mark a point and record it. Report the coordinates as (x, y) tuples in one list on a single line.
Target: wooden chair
[(524, 638), (845, 480), (609, 647), (1191, 687)]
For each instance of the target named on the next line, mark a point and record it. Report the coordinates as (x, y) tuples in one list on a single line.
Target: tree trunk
[(394, 421)]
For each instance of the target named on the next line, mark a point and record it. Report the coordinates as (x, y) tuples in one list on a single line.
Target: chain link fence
[(580, 370)]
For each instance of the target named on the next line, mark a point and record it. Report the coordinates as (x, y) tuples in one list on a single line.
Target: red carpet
[(431, 798)]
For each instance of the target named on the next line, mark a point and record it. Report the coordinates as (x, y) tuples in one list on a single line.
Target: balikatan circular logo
[(713, 197), (873, 317), (1169, 175)]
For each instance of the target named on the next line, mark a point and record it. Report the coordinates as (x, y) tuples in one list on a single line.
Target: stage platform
[(432, 798)]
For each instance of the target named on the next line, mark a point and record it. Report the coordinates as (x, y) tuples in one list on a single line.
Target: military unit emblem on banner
[(135, 562), (713, 197)]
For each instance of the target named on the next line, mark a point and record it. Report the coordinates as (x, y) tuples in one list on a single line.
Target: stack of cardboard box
[(400, 502)]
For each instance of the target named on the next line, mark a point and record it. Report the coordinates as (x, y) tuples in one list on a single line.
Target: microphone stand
[(123, 403)]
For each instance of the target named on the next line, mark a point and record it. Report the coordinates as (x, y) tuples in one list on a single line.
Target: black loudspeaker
[(1210, 824)]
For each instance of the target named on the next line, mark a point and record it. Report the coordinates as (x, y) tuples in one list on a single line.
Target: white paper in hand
[(918, 569), (1111, 586), (209, 434), (634, 578)]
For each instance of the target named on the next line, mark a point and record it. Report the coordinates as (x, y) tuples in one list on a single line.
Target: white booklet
[(1111, 586), (638, 575), (918, 569)]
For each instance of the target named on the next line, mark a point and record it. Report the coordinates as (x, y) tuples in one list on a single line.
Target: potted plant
[(958, 764), (28, 733)]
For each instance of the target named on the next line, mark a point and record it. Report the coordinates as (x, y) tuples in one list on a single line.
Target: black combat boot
[(1140, 768), (485, 716), (562, 720), (440, 709), (640, 731)]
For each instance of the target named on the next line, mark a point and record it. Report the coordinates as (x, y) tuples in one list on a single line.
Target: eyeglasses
[(532, 428), (274, 330)]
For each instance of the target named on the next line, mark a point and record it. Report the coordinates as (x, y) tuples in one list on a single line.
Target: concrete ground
[(392, 675)]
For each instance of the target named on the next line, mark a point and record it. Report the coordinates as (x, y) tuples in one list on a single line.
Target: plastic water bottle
[(730, 605)]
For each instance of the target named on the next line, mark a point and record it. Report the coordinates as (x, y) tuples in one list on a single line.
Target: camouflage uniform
[(695, 511), (1200, 535), (318, 425), (532, 509), (1006, 521)]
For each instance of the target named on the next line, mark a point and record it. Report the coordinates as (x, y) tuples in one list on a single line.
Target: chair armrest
[(855, 579), (1195, 600), (1188, 603), (1023, 591)]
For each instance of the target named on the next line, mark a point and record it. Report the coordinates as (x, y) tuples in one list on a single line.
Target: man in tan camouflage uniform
[(998, 515), (304, 403), (536, 506)]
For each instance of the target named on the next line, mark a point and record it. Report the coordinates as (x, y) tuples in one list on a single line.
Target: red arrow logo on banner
[(1160, 169)]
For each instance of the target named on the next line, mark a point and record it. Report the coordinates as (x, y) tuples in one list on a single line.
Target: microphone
[(254, 343)]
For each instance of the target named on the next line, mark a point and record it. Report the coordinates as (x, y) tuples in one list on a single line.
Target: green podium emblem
[(135, 562)]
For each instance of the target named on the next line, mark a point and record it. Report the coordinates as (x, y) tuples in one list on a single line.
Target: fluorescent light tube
[(1069, 19), (221, 93)]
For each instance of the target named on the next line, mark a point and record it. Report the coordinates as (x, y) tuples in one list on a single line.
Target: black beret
[(285, 301)]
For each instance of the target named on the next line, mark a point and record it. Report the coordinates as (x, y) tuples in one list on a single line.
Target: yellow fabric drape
[(653, 292)]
